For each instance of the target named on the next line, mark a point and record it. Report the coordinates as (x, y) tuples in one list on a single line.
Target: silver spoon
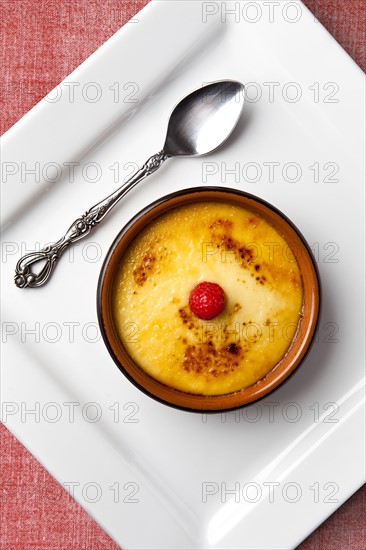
[(200, 123)]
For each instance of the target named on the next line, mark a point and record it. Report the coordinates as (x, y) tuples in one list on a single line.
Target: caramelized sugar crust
[(227, 245)]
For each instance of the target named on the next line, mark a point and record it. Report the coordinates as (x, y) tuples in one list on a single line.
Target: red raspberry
[(207, 300)]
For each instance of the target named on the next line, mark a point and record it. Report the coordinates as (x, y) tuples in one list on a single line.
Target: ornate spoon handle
[(82, 226)]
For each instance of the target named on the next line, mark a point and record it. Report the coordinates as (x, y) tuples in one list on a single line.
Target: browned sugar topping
[(140, 272), (187, 317), (207, 360), (221, 233)]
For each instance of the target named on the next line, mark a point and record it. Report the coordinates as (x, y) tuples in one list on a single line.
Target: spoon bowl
[(204, 119)]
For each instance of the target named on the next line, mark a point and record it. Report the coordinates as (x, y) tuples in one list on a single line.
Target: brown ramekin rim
[(176, 398)]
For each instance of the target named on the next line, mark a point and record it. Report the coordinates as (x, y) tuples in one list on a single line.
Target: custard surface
[(223, 244)]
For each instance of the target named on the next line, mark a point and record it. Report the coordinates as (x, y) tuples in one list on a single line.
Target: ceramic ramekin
[(298, 347)]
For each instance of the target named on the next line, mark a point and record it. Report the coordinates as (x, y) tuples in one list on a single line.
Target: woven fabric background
[(42, 42)]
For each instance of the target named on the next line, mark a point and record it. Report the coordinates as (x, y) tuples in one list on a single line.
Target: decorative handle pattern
[(82, 226)]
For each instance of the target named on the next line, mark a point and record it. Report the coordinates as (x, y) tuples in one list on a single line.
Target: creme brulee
[(227, 245)]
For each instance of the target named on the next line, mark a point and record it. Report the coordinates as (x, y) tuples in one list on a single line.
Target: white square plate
[(155, 477)]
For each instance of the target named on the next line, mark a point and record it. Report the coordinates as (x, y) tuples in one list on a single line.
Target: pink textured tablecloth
[(42, 42)]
